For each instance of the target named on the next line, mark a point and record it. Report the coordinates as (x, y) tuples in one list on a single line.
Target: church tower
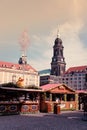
[(58, 64)]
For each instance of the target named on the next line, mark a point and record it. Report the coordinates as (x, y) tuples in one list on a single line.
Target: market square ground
[(44, 121)]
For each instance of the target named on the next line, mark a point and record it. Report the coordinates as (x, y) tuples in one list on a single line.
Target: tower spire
[(58, 34)]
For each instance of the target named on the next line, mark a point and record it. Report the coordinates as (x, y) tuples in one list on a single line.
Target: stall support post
[(65, 97), (38, 101), (45, 96), (50, 96), (76, 99)]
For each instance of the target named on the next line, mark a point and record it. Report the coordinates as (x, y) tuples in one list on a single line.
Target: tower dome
[(58, 41)]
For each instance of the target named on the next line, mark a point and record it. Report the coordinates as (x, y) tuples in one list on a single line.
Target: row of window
[(75, 74)]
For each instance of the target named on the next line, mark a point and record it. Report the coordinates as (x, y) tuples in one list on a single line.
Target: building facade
[(10, 72), (75, 77), (44, 76)]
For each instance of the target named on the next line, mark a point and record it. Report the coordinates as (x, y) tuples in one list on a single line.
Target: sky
[(42, 19)]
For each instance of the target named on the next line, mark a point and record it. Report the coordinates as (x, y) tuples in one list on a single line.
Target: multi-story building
[(10, 72), (75, 77), (44, 77)]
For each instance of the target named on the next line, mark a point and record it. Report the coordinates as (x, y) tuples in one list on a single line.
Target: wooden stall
[(81, 95), (19, 100), (50, 98), (57, 97)]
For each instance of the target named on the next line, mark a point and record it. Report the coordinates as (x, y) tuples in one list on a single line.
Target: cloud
[(18, 14), (36, 38), (40, 52), (41, 18), (75, 52)]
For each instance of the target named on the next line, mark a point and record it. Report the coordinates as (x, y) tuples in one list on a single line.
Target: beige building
[(10, 72)]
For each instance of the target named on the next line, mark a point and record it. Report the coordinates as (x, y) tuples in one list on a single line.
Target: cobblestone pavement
[(44, 121)]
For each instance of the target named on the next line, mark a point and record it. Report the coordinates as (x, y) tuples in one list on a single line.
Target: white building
[(10, 72)]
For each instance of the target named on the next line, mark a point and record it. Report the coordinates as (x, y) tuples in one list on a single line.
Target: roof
[(77, 69), (49, 87), (10, 65), (81, 91), (20, 89)]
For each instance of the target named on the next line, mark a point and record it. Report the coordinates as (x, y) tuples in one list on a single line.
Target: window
[(13, 78)]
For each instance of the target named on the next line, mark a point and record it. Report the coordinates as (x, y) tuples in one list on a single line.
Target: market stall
[(58, 96), (19, 100)]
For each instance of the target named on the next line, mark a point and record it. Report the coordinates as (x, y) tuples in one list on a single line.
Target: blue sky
[(41, 19)]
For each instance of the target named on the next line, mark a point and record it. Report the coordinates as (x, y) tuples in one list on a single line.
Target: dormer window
[(13, 66), (3, 65), (19, 67)]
